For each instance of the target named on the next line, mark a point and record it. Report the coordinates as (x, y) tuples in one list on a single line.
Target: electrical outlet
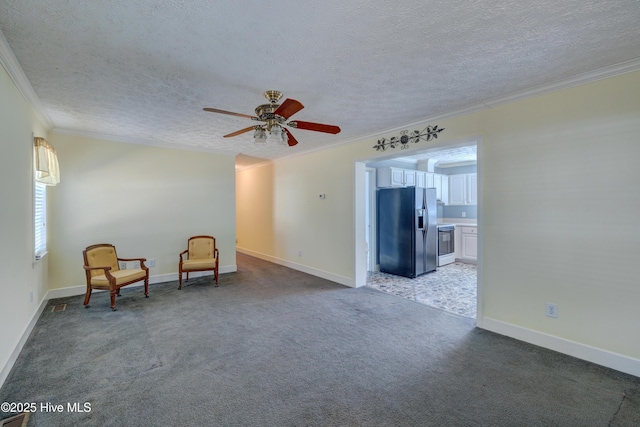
[(464, 214), (122, 265), (552, 310), (300, 252), (136, 264), (151, 262)]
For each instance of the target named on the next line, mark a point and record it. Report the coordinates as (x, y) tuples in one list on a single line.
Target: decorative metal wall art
[(402, 141)]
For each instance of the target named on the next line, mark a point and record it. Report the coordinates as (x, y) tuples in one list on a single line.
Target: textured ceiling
[(142, 70), (446, 156)]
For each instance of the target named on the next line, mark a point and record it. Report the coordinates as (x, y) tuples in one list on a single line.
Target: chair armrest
[(105, 268), (216, 253), (182, 253)]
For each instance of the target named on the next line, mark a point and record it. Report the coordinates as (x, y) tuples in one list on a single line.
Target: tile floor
[(451, 287)]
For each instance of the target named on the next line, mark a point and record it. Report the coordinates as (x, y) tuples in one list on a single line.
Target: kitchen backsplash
[(470, 211)]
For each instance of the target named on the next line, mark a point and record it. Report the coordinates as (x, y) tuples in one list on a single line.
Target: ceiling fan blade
[(239, 132), (215, 110), (288, 108), (318, 127), (291, 141)]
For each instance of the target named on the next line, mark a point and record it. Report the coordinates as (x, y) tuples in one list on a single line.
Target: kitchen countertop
[(459, 222)]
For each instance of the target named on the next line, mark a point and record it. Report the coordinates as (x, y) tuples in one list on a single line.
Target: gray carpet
[(276, 347)]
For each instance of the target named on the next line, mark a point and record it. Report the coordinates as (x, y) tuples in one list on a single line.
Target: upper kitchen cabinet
[(424, 179), (463, 189), (396, 177), (472, 188), (441, 183)]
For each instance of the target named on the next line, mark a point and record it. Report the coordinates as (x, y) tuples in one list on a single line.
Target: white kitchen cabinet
[(398, 177), (463, 189), (472, 188), (430, 180), (457, 189), (409, 178), (469, 243), (445, 189), (392, 177), (425, 179), (441, 183)]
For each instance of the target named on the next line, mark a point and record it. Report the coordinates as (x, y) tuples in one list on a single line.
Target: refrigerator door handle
[(420, 219)]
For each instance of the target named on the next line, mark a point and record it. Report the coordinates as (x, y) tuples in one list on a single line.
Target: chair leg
[(87, 296), (112, 294), (215, 272), (146, 287), (180, 278)]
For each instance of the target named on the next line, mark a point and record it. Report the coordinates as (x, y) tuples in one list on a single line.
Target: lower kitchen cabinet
[(469, 243)]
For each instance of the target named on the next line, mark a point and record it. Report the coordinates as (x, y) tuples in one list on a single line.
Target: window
[(40, 219), (46, 172)]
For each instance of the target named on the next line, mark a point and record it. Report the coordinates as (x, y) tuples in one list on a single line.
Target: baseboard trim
[(606, 358), (4, 374), (346, 281)]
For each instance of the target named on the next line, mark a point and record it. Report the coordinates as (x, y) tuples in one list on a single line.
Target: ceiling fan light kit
[(275, 118), (260, 136)]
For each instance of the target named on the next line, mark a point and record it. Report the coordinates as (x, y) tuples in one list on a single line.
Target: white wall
[(22, 281), (558, 215), (145, 200), (295, 227)]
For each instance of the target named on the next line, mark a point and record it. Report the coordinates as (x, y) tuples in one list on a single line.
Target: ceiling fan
[(275, 118)]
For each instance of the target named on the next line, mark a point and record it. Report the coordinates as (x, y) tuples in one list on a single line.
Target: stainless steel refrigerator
[(407, 231)]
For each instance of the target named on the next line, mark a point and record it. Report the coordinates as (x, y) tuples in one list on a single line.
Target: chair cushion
[(103, 256), (122, 276), (201, 248), (198, 264)]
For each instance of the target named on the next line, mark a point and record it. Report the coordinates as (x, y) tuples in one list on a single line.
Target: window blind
[(40, 219)]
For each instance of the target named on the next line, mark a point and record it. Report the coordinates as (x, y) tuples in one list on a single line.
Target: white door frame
[(372, 219)]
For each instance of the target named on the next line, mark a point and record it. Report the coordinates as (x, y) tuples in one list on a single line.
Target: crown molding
[(407, 160), (11, 64), (445, 165), (580, 79), (254, 165), (127, 140)]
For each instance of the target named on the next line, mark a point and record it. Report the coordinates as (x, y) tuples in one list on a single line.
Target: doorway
[(453, 287)]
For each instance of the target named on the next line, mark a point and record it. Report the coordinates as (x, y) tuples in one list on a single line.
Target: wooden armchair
[(103, 272), (202, 255)]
